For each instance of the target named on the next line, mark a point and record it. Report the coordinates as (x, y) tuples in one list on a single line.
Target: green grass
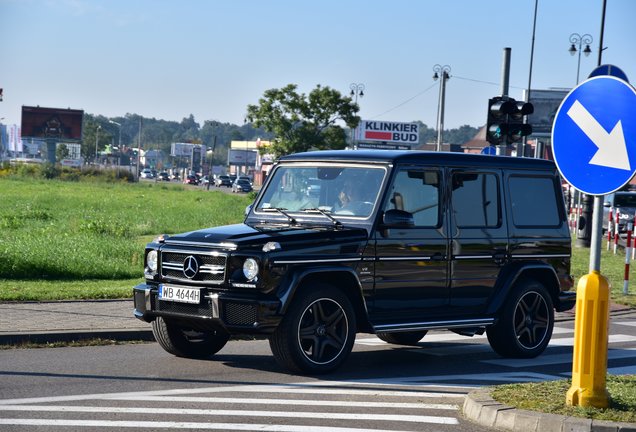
[(612, 267), (76, 240), (549, 397), (81, 240)]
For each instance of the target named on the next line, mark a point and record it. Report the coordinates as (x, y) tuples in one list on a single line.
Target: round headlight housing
[(250, 269), (151, 260)]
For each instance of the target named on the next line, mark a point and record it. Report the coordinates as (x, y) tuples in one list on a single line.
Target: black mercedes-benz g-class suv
[(394, 243)]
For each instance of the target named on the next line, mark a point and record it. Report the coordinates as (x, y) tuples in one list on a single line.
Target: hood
[(255, 236)]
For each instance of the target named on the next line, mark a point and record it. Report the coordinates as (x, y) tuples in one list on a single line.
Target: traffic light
[(505, 120), (0, 94)]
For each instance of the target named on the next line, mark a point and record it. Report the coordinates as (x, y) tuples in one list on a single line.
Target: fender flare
[(506, 283), (294, 281)]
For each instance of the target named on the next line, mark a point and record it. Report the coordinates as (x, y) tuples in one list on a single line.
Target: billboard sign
[(242, 157), (181, 149), (386, 131), (546, 104), (60, 123)]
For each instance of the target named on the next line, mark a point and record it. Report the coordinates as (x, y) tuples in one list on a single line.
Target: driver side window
[(416, 191)]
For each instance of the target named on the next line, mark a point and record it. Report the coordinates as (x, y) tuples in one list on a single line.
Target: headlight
[(151, 260), (250, 269)]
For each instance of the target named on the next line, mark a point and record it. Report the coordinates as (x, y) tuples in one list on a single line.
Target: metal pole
[(139, 147), (96, 140), (505, 71), (441, 72), (524, 141), (440, 115)]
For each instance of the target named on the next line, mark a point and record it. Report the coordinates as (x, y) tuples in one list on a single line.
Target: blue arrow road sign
[(489, 150), (594, 135)]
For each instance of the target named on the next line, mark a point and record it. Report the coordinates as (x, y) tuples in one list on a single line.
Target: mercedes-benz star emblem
[(190, 267)]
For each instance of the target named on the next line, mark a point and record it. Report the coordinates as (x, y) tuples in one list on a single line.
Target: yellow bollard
[(589, 364)]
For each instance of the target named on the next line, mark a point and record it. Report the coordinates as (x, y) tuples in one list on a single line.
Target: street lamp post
[(96, 141), (577, 39), (442, 72), (357, 89), (118, 127)]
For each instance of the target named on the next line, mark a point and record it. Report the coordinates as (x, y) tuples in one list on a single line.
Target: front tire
[(525, 327), (182, 341), (317, 333)]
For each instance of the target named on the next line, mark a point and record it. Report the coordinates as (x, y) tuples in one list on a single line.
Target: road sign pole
[(589, 363)]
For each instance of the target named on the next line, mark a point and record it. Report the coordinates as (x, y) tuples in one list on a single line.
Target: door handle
[(438, 257), (499, 257)]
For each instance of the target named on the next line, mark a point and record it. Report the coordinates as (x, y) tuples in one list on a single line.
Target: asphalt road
[(382, 387)]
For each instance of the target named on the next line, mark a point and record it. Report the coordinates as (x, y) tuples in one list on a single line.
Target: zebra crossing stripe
[(324, 403), (152, 425), (232, 413), (543, 360)]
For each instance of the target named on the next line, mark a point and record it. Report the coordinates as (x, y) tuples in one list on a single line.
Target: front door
[(411, 273)]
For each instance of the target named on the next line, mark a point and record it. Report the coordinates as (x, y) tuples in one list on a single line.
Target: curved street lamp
[(357, 89), (577, 39), (442, 72)]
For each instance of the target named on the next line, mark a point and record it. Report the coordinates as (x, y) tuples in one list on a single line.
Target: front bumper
[(237, 314)]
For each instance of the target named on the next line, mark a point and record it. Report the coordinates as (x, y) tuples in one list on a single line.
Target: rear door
[(479, 237)]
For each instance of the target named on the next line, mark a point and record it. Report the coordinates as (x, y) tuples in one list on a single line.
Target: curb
[(482, 409), (75, 336)]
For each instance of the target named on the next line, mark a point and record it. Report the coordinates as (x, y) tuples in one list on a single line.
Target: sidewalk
[(64, 321)]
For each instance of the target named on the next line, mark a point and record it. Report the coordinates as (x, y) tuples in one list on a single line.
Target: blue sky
[(170, 59)]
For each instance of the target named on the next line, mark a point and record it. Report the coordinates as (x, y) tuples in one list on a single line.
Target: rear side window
[(476, 200), (534, 201)]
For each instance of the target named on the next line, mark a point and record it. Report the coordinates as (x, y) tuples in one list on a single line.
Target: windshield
[(342, 190)]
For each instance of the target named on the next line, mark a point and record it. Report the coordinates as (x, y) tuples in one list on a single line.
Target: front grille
[(239, 314), (205, 308), (211, 266)]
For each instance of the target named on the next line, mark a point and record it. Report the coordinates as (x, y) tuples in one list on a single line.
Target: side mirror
[(398, 219), (607, 204), (248, 209)]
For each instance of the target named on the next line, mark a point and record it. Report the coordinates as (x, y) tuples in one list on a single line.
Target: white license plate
[(179, 294)]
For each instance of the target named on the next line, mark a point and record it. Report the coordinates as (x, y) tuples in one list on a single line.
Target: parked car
[(146, 173), (397, 243), (625, 203), (191, 179), (223, 180), (163, 176), (241, 185)]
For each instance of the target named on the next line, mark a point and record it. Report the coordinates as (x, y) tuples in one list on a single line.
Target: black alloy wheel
[(525, 326), (317, 333)]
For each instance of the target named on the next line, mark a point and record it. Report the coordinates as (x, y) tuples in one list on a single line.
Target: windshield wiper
[(335, 221), (282, 211)]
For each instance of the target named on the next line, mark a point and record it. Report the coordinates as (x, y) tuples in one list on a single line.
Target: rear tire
[(181, 341), (317, 333), (402, 338), (525, 326)]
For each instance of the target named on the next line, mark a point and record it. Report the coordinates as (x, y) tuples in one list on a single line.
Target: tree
[(300, 123), (61, 152)]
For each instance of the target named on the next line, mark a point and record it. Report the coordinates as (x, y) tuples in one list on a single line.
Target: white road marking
[(248, 401), (625, 323), (180, 425), (304, 388), (543, 360), (231, 413)]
